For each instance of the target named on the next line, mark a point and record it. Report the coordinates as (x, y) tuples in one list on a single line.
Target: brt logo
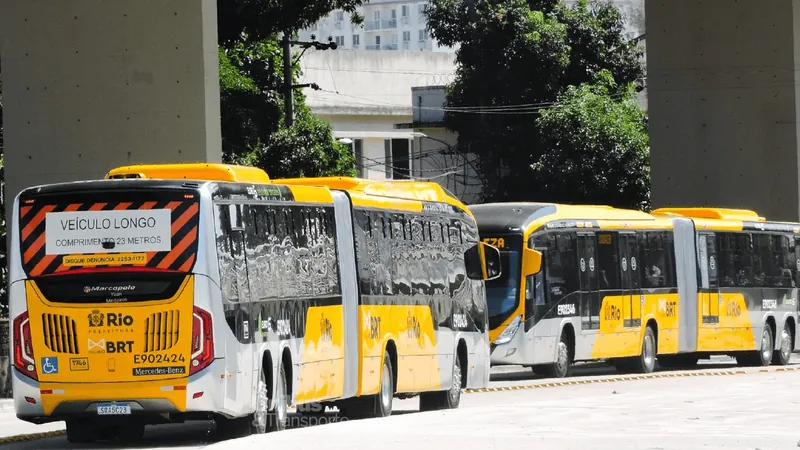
[(98, 319)]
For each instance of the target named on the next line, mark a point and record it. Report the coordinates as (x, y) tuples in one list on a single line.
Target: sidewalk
[(11, 426)]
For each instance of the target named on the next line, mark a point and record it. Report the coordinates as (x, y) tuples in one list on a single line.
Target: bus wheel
[(79, 432), (781, 357), (449, 399), (563, 364), (646, 362), (763, 356), (277, 418), (262, 406), (383, 401)]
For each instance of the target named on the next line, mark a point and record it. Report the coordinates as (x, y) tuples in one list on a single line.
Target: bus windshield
[(502, 293)]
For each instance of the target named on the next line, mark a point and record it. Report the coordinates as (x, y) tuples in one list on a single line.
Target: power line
[(514, 109)]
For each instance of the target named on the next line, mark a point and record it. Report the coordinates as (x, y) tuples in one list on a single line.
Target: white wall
[(370, 83)]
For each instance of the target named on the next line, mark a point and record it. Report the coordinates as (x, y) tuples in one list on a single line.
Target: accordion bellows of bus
[(173, 292)]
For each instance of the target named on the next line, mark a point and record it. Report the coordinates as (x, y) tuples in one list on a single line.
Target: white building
[(435, 157), (364, 94), (401, 25), (388, 25)]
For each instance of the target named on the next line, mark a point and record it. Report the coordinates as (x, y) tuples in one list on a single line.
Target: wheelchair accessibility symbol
[(49, 366)]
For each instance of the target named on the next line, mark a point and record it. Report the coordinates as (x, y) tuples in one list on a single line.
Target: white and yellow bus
[(167, 293), (590, 283)]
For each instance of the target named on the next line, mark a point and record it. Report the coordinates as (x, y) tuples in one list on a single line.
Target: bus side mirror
[(531, 262), (482, 262)]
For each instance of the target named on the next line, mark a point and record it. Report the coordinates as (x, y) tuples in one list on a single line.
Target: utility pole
[(287, 79), (288, 87)]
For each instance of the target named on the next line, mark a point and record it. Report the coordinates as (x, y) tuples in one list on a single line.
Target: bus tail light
[(202, 341), (23, 346)]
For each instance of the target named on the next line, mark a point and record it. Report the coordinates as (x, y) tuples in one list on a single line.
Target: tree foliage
[(263, 19), (597, 148), (251, 91), (517, 59)]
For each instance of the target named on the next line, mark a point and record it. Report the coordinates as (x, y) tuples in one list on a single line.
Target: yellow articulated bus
[(167, 293), (583, 283)]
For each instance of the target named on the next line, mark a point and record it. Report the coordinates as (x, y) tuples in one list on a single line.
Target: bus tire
[(763, 356), (449, 399), (383, 401), (278, 416), (261, 415), (782, 356), (562, 367), (646, 362), (79, 432)]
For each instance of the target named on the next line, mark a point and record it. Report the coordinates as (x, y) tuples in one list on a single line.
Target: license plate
[(113, 409)]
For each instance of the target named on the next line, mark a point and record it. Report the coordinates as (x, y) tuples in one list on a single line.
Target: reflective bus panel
[(137, 300)]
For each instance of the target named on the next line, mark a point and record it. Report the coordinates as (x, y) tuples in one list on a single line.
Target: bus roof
[(711, 213), (524, 217), (192, 171), (409, 190), (519, 216)]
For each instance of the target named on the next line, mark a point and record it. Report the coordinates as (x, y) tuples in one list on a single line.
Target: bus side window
[(743, 260), (608, 261), (796, 262), (784, 261), (230, 290)]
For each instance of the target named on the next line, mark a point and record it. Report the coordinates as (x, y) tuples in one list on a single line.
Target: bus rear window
[(110, 287), (82, 231)]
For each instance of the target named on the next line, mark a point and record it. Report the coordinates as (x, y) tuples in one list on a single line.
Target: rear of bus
[(102, 300)]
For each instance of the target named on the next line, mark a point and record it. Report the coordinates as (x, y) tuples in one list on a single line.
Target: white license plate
[(113, 409)]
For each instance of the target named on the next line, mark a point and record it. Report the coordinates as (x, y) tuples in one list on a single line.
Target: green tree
[(251, 91), (515, 60), (597, 148)]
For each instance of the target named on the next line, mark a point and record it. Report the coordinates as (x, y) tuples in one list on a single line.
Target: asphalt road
[(704, 408)]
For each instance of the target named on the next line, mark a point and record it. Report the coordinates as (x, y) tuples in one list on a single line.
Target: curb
[(629, 378), (31, 437)]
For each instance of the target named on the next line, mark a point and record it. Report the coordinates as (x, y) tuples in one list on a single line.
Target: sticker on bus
[(70, 231), (126, 231)]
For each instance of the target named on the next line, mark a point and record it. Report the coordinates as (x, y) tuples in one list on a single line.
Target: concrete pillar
[(723, 104), (89, 85)]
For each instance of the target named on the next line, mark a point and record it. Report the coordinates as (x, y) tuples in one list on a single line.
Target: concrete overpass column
[(89, 85), (723, 102)]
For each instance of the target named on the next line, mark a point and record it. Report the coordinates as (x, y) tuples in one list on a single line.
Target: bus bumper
[(511, 352), (49, 402)]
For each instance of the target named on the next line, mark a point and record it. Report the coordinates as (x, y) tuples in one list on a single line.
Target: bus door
[(245, 360), (709, 281), (590, 296), (631, 314)]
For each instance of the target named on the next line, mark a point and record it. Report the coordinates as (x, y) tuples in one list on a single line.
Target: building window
[(338, 16), (421, 10), (358, 154), (377, 40), (423, 35), (404, 11), (406, 36), (356, 40), (397, 154), (339, 41)]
